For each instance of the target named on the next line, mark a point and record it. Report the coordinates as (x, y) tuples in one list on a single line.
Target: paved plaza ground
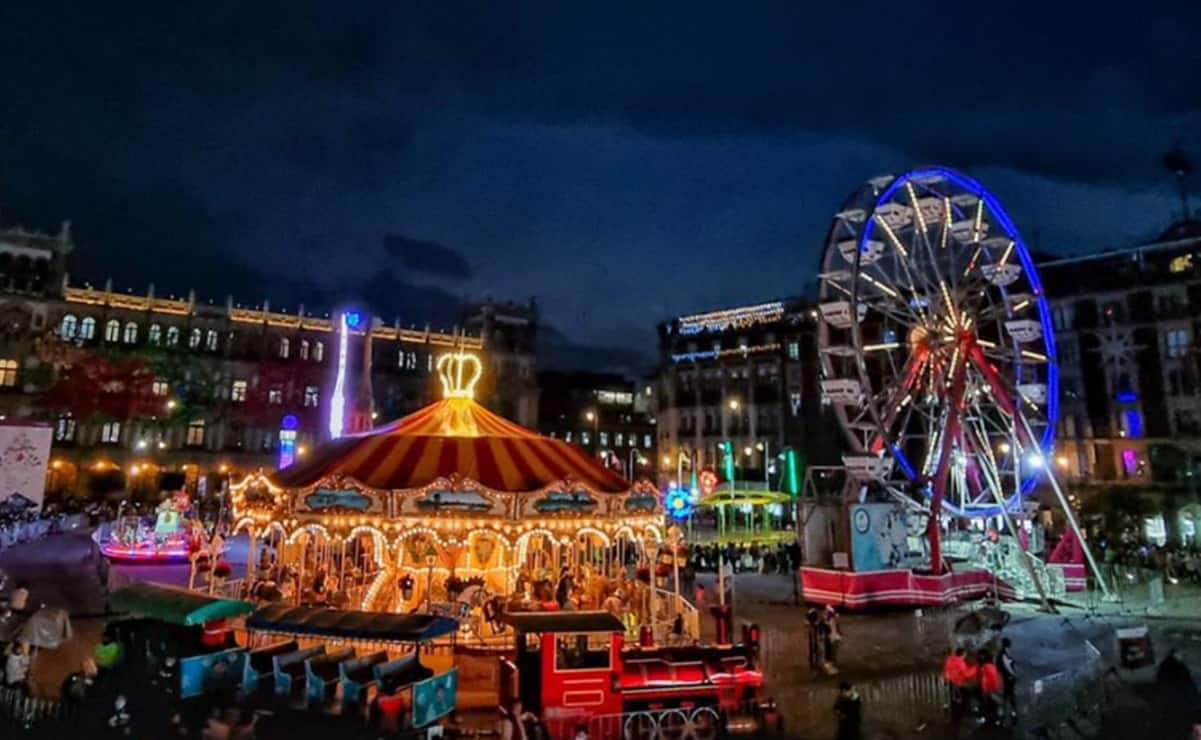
[(893, 656)]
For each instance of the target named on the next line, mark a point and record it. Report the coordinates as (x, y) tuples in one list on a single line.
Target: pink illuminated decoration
[(133, 538), (337, 403)]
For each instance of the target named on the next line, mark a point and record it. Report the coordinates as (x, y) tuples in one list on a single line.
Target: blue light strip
[(1044, 313)]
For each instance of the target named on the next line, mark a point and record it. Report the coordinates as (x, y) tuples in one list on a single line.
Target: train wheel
[(641, 726), (703, 724), (673, 725)]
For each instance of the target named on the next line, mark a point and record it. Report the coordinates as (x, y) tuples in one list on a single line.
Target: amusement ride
[(938, 356)]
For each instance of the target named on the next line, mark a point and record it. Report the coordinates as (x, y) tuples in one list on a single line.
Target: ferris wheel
[(937, 350)]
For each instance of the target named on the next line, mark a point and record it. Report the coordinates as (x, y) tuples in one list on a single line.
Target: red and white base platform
[(903, 587)]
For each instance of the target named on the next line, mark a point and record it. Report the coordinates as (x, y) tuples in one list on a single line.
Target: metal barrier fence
[(18, 707)]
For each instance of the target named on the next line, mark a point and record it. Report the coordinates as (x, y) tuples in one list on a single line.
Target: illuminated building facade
[(747, 375), (606, 414), (1126, 326), (149, 390)]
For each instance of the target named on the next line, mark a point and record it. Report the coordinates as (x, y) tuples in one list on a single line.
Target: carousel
[(447, 507)]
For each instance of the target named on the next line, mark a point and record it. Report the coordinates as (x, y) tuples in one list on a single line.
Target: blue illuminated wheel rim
[(920, 269)]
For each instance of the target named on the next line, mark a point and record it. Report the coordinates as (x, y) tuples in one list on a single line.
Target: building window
[(64, 429), (87, 328), (68, 327), (618, 438), (155, 334), (160, 388), (172, 336), (194, 339), (8, 373), (110, 432), (304, 349), (1064, 317), (604, 439), (237, 393), (646, 441), (275, 396), (1183, 263), (195, 435), (210, 340), (407, 360), (284, 348), (567, 436), (310, 396), (131, 333), (112, 331), (1177, 341), (318, 351)]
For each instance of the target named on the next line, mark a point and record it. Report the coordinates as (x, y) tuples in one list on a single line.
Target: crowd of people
[(982, 683), (752, 558)]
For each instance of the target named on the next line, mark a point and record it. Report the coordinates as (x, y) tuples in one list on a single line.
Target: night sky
[(620, 162)]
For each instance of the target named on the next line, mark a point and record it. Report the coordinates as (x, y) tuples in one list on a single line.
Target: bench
[(287, 668), (260, 664), (358, 677), (396, 674), (321, 674)]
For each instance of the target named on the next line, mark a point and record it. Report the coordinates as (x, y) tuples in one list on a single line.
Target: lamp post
[(634, 455), (592, 416)]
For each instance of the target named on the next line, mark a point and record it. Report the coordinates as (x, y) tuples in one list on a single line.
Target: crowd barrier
[(14, 533)]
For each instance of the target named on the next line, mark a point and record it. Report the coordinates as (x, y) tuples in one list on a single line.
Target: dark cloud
[(620, 161), (426, 257)]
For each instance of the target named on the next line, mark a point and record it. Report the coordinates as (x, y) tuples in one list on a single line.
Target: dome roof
[(455, 438)]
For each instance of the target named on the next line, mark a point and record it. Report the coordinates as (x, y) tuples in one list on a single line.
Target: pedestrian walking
[(953, 669), (848, 709), (1009, 679), (832, 638), (812, 622), (990, 687)]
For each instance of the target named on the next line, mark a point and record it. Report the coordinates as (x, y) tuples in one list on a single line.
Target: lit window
[(87, 328), (284, 348), (237, 393), (68, 327), (1183, 263), (275, 396), (304, 349), (794, 350), (646, 441), (310, 396), (618, 439), (195, 435), (8, 373), (1177, 342), (110, 432), (604, 439), (318, 351), (407, 360), (172, 336), (112, 331), (155, 335), (567, 436), (194, 339), (585, 438), (131, 333), (210, 340), (64, 429), (160, 388)]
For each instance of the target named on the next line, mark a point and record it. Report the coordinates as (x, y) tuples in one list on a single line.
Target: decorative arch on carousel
[(593, 530), (379, 541), (310, 529)]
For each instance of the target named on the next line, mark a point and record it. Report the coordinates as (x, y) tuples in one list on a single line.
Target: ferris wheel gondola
[(937, 349)]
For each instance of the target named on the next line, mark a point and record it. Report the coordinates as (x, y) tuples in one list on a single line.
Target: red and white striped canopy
[(453, 437)]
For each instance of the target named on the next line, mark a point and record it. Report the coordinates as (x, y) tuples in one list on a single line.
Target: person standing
[(812, 622), (990, 687), (833, 637), (18, 600), (953, 669), (1009, 679), (16, 667), (848, 709)]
